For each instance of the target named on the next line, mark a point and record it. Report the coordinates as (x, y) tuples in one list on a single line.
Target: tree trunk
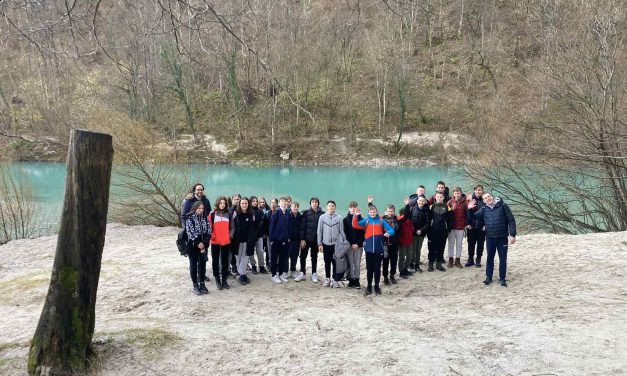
[(62, 341)]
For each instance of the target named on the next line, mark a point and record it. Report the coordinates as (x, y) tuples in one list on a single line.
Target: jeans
[(495, 245)]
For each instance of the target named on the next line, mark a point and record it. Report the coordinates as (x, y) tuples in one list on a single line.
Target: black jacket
[(309, 225), (393, 222), (441, 219), (353, 235), (245, 227), (295, 224), (421, 218)]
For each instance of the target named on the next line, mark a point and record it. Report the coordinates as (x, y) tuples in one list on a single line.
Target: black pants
[(234, 252), (279, 257), (314, 257), (436, 244), (266, 248), (373, 267), (294, 251), (220, 256), (476, 238), (197, 266), (329, 261), (391, 260)]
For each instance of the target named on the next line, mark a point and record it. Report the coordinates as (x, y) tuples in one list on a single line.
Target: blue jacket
[(499, 220), (374, 229), (279, 230)]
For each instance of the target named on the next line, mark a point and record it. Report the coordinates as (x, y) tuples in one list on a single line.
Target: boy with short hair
[(329, 227), (391, 259), (458, 207), (440, 188), (405, 239), (279, 236), (309, 239), (474, 230), (295, 223), (356, 239)]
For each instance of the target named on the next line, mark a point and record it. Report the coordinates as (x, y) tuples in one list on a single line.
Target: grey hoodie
[(329, 227)]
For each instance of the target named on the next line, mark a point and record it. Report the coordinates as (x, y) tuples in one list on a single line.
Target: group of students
[(249, 234)]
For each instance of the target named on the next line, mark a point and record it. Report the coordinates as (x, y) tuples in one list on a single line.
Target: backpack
[(181, 243)]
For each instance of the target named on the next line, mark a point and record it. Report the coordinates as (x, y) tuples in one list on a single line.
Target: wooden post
[(62, 341)]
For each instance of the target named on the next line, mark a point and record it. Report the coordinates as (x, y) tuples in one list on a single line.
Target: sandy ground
[(564, 313)]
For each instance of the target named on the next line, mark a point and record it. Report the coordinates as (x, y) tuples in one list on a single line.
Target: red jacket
[(458, 209), (406, 231), (221, 227)]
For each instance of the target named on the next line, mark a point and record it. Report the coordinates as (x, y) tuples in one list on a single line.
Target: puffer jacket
[(309, 225), (420, 218), (498, 218), (374, 229), (474, 221), (441, 219), (458, 209)]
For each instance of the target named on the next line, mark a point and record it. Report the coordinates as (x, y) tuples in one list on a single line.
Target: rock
[(285, 155)]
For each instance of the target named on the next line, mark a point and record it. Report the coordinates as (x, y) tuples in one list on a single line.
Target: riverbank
[(563, 313)]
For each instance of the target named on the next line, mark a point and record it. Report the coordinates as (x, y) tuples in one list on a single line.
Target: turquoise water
[(342, 184)]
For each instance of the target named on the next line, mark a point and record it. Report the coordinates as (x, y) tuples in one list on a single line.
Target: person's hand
[(483, 229), (302, 244), (370, 199), (357, 211), (472, 204), (354, 246), (320, 248), (386, 235), (468, 227), (201, 246), (406, 200), (418, 232), (202, 251), (511, 239)]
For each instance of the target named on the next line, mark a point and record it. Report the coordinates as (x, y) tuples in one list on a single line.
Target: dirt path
[(564, 313)]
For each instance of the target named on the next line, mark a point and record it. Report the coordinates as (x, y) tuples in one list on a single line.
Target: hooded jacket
[(245, 230), (374, 229), (280, 226), (353, 235), (222, 229), (329, 227), (441, 219), (309, 224), (474, 221), (458, 209), (498, 218), (406, 231), (420, 217)]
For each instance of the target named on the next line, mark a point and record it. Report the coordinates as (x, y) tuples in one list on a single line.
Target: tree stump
[(62, 341)]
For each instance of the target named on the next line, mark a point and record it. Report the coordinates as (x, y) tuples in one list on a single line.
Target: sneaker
[(314, 278), (254, 269), (299, 277), (487, 281), (377, 290), (357, 285), (197, 290), (368, 290), (386, 281), (326, 283), (263, 270), (207, 278), (242, 281), (351, 283), (503, 283), (404, 275), (276, 279), (203, 288), (283, 278), (294, 274), (469, 263), (218, 284), (225, 285), (478, 264), (393, 281), (246, 279), (411, 270), (335, 284)]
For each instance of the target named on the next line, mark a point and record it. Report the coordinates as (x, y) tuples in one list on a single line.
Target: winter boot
[(450, 262), (430, 266), (469, 263), (458, 262), (196, 289), (478, 262), (438, 265)]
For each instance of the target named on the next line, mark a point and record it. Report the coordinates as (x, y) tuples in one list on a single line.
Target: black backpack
[(181, 243)]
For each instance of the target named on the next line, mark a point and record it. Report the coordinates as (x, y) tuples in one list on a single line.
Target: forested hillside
[(258, 75)]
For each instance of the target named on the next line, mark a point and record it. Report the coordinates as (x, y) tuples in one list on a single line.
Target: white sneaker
[(283, 278), (335, 284), (411, 270), (326, 282), (295, 274), (314, 278), (276, 279), (299, 277)]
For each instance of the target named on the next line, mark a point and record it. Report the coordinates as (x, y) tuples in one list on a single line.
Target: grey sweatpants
[(259, 252), (354, 262), (455, 240), (241, 259)]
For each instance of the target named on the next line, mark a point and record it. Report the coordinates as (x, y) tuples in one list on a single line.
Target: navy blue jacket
[(279, 230), (295, 223), (499, 220)]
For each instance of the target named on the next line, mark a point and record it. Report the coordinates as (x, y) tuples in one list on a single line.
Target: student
[(262, 242), (279, 236), (244, 237), (376, 229), (235, 199), (440, 188), (274, 204), (222, 232), (392, 247), (295, 223), (196, 193), (329, 227), (405, 238), (258, 246), (198, 234), (458, 207), (474, 229), (438, 231), (500, 229), (309, 239), (356, 239), (418, 211)]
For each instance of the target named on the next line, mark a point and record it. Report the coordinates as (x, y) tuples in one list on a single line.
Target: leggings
[(373, 267), (220, 257)]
